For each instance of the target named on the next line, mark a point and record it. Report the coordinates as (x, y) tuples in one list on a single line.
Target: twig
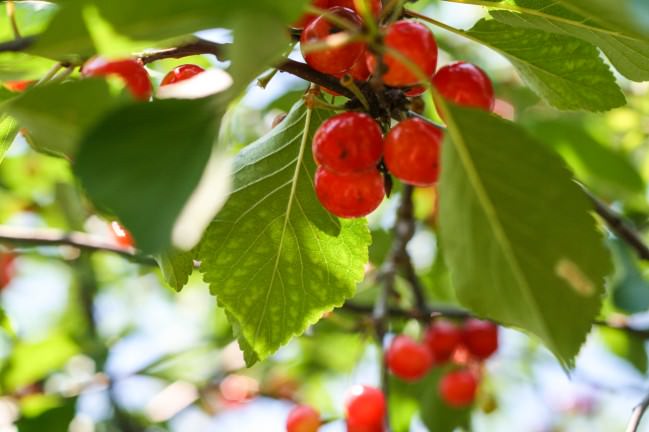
[(619, 226), (16, 45), (11, 14), (195, 47), (638, 413), (50, 237)]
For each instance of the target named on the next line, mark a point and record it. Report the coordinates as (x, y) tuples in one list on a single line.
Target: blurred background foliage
[(93, 342)]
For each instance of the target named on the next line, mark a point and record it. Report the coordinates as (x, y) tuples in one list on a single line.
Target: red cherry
[(336, 60), (412, 151), (181, 73), (121, 235), (376, 6), (307, 18), (415, 91), (7, 268), (365, 409), (132, 71), (465, 84), (408, 359), (443, 338), (18, 86), (303, 418), (458, 389), (480, 338), (348, 143), (414, 41), (349, 195)]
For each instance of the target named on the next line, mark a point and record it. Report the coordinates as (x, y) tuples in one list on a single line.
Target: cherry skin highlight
[(443, 338), (458, 389), (415, 42), (365, 409), (181, 73), (348, 143), (349, 195), (335, 60), (408, 359), (307, 18), (375, 5), (121, 235), (132, 71), (465, 84), (303, 418), (480, 338), (412, 152)]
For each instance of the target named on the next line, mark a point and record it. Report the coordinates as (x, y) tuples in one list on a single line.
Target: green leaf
[(52, 352), (601, 167), (626, 16), (629, 54), (176, 267), (8, 132), (143, 162), (68, 37), (626, 346), (275, 259), (520, 243), (56, 415), (629, 287), (567, 72), (57, 115)]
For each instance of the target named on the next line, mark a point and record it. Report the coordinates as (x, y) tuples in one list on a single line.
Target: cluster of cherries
[(464, 346), (350, 148), (364, 412)]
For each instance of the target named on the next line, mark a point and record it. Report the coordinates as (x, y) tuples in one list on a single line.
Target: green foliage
[(8, 132), (566, 72), (80, 104), (627, 347), (176, 267), (142, 163), (275, 259), (520, 244), (628, 53)]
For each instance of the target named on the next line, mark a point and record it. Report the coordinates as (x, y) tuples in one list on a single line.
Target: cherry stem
[(638, 413), (11, 14)]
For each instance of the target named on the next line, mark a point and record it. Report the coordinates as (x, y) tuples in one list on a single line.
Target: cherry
[(412, 151), (465, 84), (443, 338), (307, 18), (132, 71), (121, 235), (358, 71), (458, 388), (349, 195), (376, 6), (17, 86), (348, 143), (415, 42), (7, 268), (408, 359), (303, 418), (334, 60), (480, 338), (181, 73), (365, 409)]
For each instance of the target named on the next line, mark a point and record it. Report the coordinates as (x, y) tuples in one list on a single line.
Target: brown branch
[(195, 47), (618, 225), (18, 236), (16, 45)]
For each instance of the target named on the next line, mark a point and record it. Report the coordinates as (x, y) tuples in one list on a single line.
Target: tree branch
[(618, 225), (19, 236), (17, 45), (638, 413)]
